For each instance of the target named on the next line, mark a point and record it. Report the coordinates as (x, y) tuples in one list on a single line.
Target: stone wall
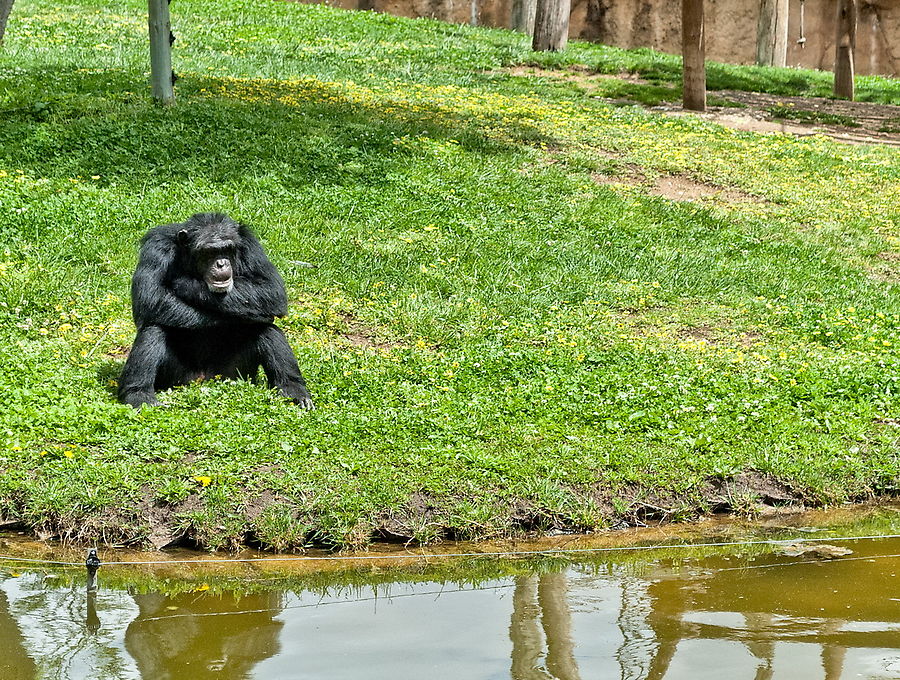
[(730, 29)]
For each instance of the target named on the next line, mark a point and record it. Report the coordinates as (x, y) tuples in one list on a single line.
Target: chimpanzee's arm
[(152, 302)]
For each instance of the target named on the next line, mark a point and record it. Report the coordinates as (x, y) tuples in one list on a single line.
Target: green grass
[(537, 350), (665, 69)]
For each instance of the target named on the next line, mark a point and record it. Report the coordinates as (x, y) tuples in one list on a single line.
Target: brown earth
[(874, 123), (756, 111), (157, 524)]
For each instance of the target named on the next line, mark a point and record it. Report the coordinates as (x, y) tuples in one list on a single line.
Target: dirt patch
[(753, 487), (676, 187), (680, 188), (843, 121), (117, 353), (672, 187), (580, 75), (269, 470), (881, 121), (700, 334), (748, 492), (750, 339), (424, 518), (161, 519), (629, 173), (358, 334), (885, 266), (420, 517), (256, 505)]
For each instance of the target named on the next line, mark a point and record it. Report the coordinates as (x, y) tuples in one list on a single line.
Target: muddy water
[(754, 611)]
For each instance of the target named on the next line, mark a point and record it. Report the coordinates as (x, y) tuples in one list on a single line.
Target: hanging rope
[(802, 40)]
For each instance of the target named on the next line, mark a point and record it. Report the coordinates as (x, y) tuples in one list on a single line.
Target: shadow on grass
[(225, 130), (108, 375)]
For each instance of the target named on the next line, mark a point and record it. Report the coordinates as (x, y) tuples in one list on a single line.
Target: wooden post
[(772, 33), (551, 25), (693, 50), (522, 16), (5, 9), (845, 44), (161, 52)]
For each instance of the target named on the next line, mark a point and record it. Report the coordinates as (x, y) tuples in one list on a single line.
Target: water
[(748, 612)]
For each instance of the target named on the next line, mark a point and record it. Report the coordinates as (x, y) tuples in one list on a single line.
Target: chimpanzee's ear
[(183, 237)]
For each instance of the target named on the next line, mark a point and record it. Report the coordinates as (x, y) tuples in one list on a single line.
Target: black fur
[(187, 331)]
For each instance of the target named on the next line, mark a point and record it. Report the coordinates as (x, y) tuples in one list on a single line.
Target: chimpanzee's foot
[(139, 399), (298, 394)]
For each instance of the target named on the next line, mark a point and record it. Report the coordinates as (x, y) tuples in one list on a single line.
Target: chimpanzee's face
[(213, 248)]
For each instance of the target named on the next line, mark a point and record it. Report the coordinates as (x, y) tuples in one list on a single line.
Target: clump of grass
[(891, 125)]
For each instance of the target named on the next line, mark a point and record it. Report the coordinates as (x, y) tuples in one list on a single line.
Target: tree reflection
[(15, 664), (542, 598), (835, 604), (199, 635), (750, 621)]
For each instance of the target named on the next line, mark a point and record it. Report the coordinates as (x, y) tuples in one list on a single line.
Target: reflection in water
[(56, 628), (755, 618), (15, 663), (779, 603), (542, 597), (199, 636), (524, 632), (91, 620)]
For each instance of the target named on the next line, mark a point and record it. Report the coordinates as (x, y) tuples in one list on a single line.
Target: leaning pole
[(161, 52)]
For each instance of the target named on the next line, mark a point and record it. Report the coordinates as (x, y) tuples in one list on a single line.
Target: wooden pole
[(845, 44), (551, 25), (772, 33), (161, 76), (693, 50)]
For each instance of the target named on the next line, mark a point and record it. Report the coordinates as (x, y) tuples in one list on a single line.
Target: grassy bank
[(497, 336)]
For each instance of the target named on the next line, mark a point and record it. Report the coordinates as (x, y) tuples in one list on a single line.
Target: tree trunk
[(693, 50), (522, 16), (5, 9), (556, 618), (845, 44), (551, 25), (524, 632), (772, 33), (161, 75)]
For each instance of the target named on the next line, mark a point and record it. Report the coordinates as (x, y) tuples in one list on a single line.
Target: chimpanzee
[(204, 298)]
